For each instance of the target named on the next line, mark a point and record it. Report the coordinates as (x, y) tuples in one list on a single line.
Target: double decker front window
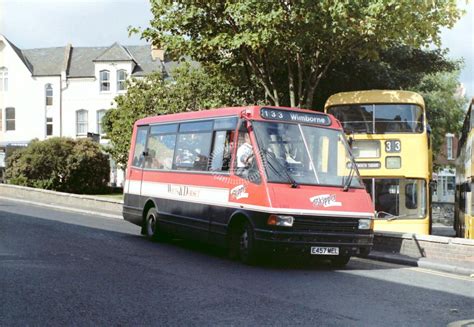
[(305, 155), (379, 118), (398, 198)]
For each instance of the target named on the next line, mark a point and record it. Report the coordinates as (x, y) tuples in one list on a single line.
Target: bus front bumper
[(348, 244)]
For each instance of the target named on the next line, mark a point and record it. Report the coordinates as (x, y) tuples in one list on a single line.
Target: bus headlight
[(277, 220), (366, 224), (393, 162)]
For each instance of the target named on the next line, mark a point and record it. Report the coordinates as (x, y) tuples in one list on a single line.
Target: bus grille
[(318, 224)]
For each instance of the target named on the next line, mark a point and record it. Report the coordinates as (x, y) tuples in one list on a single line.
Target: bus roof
[(251, 112), (375, 96)]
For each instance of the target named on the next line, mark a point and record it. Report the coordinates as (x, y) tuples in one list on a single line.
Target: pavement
[(466, 269)]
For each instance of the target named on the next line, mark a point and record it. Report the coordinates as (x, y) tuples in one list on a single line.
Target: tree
[(396, 68), (61, 164), (189, 88), (287, 46), (445, 110)]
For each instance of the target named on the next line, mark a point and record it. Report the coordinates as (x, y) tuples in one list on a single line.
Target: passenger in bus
[(245, 153)]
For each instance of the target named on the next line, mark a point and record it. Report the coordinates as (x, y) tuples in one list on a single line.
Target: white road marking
[(41, 204)]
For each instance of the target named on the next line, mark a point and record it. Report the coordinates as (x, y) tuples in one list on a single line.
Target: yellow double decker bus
[(464, 211), (390, 140)]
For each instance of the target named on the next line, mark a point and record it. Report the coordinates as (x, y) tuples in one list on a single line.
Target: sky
[(48, 23)]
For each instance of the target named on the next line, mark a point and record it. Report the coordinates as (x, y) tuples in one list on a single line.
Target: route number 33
[(393, 146)]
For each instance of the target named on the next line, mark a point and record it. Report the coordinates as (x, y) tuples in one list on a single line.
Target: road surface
[(60, 268)]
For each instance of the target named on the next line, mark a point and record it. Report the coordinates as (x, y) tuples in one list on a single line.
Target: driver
[(244, 153)]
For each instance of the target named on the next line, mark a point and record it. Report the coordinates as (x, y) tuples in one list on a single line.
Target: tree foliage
[(287, 46), (445, 109), (60, 164), (396, 68), (189, 88)]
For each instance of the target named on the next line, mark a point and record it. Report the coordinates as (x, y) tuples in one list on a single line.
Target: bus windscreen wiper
[(270, 158), (347, 183)]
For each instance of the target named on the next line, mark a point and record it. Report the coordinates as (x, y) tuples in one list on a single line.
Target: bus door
[(135, 171), (242, 177)]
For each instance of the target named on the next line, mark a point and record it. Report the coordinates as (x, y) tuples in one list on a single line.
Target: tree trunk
[(291, 82)]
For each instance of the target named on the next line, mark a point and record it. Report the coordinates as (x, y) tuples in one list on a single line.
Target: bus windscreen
[(379, 118), (308, 154)]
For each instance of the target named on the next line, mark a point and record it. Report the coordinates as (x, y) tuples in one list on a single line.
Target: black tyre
[(151, 225), (247, 250), (340, 261)]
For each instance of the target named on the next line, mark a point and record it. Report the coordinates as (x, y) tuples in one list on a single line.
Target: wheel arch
[(238, 218)]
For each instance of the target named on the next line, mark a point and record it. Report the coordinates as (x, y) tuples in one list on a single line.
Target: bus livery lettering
[(325, 200), (239, 192), (297, 117), (184, 191)]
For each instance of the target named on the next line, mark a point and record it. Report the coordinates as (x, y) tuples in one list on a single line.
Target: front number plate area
[(318, 250)]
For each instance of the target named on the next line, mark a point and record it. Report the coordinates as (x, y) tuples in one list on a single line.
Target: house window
[(10, 119), (49, 126), (104, 80), (100, 115), (81, 122), (449, 146), (121, 77), (3, 79), (49, 94)]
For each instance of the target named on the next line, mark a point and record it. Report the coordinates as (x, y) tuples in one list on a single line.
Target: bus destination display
[(295, 117)]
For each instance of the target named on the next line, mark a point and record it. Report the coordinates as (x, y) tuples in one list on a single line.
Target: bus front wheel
[(340, 261), (242, 244)]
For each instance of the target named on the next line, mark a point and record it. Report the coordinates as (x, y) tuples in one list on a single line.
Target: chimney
[(67, 58), (157, 53)]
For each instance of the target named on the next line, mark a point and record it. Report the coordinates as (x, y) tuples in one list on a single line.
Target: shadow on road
[(120, 233)]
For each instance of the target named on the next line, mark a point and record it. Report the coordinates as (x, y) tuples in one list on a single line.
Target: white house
[(65, 91)]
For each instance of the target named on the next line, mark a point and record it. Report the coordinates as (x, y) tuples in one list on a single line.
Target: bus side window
[(193, 146), (192, 151), (245, 163), (140, 142), (221, 151), (160, 151)]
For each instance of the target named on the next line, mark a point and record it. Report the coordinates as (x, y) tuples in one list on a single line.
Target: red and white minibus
[(252, 179)]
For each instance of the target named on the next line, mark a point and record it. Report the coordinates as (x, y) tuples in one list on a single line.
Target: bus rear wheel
[(151, 225)]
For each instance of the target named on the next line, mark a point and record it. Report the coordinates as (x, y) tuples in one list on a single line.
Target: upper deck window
[(379, 118)]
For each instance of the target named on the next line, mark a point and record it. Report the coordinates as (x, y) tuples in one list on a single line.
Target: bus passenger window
[(140, 142), (160, 151), (192, 151), (222, 150)]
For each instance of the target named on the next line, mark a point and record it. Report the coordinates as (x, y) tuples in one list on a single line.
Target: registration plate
[(317, 250)]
